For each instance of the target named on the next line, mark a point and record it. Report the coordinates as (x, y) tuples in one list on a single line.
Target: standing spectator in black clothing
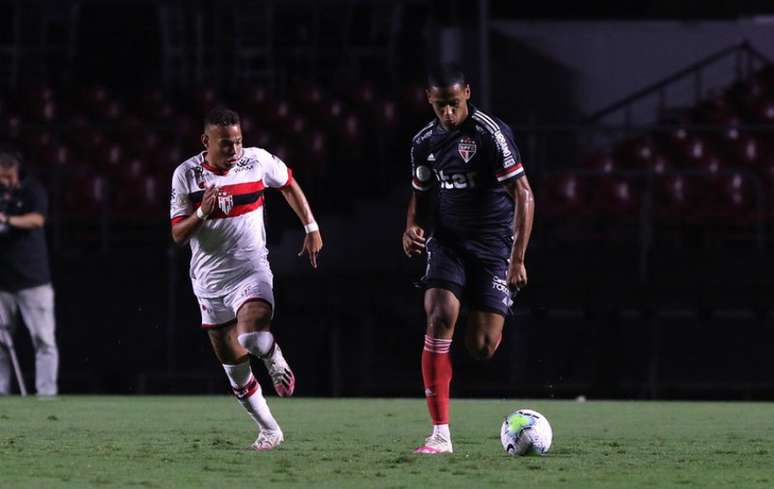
[(25, 279)]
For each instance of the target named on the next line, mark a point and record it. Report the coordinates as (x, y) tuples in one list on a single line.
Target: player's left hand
[(517, 275), (312, 245)]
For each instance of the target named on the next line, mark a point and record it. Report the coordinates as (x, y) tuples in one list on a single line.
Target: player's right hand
[(210, 199), (413, 241)]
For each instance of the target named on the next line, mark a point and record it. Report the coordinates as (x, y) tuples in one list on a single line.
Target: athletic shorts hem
[(435, 283), (255, 299), (494, 310)]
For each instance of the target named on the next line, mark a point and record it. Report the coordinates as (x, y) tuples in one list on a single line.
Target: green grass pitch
[(197, 442)]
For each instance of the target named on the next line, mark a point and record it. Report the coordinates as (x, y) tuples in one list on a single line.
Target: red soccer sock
[(437, 375)]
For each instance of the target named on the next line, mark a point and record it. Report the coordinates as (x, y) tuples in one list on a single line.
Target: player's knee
[(482, 347), (42, 344), (439, 323), (255, 316), (262, 321)]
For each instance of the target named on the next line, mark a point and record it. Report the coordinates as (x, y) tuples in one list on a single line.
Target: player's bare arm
[(297, 200), (183, 230), (31, 220), (521, 193), (416, 216)]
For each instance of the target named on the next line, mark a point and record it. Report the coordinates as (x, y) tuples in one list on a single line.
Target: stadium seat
[(85, 195), (565, 195), (616, 197)]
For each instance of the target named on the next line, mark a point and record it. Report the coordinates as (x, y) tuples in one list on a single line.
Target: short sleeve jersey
[(23, 253), (231, 243), (469, 165)]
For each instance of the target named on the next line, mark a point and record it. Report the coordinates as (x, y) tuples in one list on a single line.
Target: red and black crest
[(467, 148)]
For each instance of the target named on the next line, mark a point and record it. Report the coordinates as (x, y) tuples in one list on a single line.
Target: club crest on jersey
[(225, 202), (467, 148)]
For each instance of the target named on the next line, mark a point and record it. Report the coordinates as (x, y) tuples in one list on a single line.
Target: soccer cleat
[(435, 444), (281, 376), (267, 440)]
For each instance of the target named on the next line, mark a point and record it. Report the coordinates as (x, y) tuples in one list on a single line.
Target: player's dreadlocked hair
[(445, 75), (221, 116)]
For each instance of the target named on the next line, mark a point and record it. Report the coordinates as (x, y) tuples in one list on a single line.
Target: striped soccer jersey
[(231, 243)]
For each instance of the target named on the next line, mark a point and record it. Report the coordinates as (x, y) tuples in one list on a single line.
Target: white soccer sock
[(248, 393), (259, 343), (442, 430)]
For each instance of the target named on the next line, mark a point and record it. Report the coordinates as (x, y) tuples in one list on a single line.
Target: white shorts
[(222, 311)]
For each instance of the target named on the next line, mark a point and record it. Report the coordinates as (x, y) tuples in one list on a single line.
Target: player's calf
[(263, 345), (247, 390)]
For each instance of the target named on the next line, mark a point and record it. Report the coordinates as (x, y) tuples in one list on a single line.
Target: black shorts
[(474, 271)]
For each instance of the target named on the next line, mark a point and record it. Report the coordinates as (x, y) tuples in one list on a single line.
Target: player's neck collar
[(211, 168)]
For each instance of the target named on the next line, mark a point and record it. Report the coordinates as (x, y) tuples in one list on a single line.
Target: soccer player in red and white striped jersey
[(217, 206)]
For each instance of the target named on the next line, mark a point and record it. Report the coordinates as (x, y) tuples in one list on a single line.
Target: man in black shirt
[(25, 280), (482, 225)]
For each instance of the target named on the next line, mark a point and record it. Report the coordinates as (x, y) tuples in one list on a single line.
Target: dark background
[(649, 263)]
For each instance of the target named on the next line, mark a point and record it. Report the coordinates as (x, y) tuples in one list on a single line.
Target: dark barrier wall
[(580, 329)]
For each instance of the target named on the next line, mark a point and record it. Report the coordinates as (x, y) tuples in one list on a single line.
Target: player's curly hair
[(221, 116), (445, 75)]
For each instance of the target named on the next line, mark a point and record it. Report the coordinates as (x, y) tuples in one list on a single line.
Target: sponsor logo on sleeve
[(503, 144)]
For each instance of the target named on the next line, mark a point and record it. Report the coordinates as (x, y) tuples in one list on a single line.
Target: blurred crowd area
[(108, 156)]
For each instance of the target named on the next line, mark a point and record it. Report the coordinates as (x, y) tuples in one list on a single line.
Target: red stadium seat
[(616, 197), (565, 195), (157, 106), (85, 196), (255, 98), (10, 127), (602, 163), (677, 197)]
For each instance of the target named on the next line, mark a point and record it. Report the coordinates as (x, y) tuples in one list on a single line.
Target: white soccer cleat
[(267, 440), (435, 444), (281, 376)]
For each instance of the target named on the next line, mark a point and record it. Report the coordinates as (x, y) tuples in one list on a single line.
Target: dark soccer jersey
[(469, 165)]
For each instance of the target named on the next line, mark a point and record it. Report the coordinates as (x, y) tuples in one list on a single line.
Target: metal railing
[(746, 61)]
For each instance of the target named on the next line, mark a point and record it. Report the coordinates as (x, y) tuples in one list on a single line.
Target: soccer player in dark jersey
[(482, 223)]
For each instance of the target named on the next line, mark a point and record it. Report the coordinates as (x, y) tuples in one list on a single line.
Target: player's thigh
[(487, 289), (220, 323), (444, 281), (445, 268), (254, 315), (252, 301), (442, 308), (36, 305)]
